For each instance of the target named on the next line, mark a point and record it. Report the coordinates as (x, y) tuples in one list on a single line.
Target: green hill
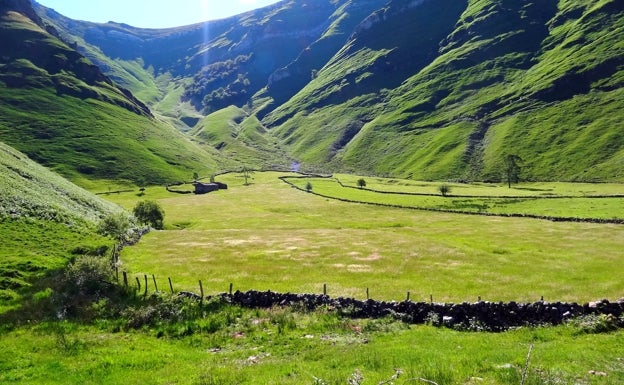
[(472, 83), (44, 221), (63, 112), (425, 89), (240, 138)]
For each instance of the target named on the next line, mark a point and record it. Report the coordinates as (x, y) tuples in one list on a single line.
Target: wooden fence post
[(155, 285), (138, 283), (430, 298), (201, 291), (170, 285), (324, 289), (408, 296), (125, 278), (145, 293), (367, 295), (231, 287)]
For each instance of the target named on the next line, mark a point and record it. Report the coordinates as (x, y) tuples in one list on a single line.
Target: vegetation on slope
[(239, 138), (510, 77), (64, 113), (98, 140), (427, 89), (44, 221)]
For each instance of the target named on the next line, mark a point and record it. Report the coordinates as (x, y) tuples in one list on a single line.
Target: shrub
[(149, 213), (89, 276), (115, 226), (595, 323), (444, 189)]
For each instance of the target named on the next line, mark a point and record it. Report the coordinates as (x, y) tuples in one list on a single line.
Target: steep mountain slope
[(226, 61), (29, 190), (543, 81), (434, 89), (65, 113)]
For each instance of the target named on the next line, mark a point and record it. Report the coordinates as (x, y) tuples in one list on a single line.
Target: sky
[(152, 13)]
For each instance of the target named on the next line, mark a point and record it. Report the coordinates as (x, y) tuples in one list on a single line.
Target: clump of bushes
[(86, 287), (597, 323)]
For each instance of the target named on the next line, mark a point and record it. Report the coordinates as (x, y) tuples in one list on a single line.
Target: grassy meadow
[(558, 200), (280, 347), (270, 236)]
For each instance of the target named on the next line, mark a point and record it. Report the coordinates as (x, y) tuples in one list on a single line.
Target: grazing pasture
[(270, 236)]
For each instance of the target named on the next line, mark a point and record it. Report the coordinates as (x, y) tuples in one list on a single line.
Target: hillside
[(29, 190), (211, 65), (424, 89), (44, 221), (477, 81), (62, 111)]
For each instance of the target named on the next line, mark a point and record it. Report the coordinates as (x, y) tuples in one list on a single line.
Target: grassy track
[(269, 236)]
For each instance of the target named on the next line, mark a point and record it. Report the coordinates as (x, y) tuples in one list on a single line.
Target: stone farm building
[(204, 188)]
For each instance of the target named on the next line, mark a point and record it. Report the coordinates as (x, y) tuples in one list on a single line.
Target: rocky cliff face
[(23, 7)]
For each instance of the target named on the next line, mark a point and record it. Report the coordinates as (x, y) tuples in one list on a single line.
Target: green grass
[(239, 138), (32, 248), (527, 189), (487, 90), (89, 138), (277, 346), (44, 222), (539, 199), (269, 236), (29, 190), (64, 114)]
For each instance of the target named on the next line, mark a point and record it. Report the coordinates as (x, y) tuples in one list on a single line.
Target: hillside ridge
[(422, 89), (62, 111)]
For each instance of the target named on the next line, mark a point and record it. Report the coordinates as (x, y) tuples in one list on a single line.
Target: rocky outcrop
[(21, 6)]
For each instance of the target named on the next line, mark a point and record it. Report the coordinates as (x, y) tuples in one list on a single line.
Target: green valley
[(453, 167)]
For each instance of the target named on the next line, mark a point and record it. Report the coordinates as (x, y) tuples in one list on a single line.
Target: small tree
[(149, 213), (115, 226), (512, 168), (141, 183), (246, 174), (444, 189), (361, 183), (309, 187)]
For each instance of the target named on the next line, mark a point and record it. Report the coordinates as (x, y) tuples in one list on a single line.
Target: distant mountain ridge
[(415, 88)]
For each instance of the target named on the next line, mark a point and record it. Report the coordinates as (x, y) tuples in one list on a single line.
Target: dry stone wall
[(482, 315)]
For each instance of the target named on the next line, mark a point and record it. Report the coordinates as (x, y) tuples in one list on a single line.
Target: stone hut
[(204, 188)]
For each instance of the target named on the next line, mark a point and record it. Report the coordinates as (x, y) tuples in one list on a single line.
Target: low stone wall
[(483, 315)]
